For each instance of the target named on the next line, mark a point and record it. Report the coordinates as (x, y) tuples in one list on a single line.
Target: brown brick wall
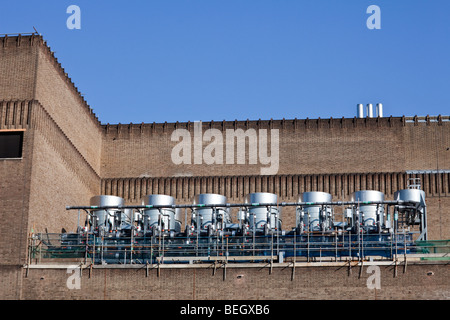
[(10, 281), (14, 203), (18, 62), (306, 147), (62, 144), (58, 96), (62, 148), (30, 71), (36, 188), (54, 184), (321, 283)]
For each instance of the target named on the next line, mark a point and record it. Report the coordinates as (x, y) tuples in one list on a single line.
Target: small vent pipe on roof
[(369, 110), (360, 110), (379, 110)]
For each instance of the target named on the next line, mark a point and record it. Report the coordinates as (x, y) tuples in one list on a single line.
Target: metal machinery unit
[(210, 216), (160, 219), (414, 214), (314, 217), (152, 232), (263, 216), (107, 220), (368, 213)]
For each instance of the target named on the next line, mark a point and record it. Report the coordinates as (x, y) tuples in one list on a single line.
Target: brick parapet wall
[(417, 281), (319, 146)]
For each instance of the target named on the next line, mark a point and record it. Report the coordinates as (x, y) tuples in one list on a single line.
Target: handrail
[(124, 250)]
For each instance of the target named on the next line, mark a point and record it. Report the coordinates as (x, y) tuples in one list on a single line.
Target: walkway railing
[(93, 249)]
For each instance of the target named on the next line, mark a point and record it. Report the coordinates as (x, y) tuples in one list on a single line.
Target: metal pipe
[(380, 110), (360, 110), (234, 205), (369, 110)]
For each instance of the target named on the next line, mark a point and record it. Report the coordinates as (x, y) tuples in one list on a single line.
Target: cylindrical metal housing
[(360, 110), (212, 216), (369, 110), (315, 217), (380, 110), (411, 195), (105, 219), (261, 215), (163, 219), (370, 215)]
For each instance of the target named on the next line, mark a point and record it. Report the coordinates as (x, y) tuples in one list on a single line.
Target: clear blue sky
[(180, 60)]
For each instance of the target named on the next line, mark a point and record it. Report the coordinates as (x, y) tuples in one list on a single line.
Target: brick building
[(67, 156)]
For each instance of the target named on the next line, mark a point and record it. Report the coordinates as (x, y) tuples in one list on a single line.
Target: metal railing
[(93, 249)]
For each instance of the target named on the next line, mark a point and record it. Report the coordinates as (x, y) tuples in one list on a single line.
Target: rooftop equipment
[(380, 110), (262, 215), (366, 215), (369, 110), (360, 110), (210, 215), (314, 216), (413, 213), (157, 220), (105, 220)]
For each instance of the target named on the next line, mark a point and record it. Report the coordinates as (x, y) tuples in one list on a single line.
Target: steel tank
[(106, 220), (263, 217), (370, 216), (416, 196), (414, 211), (214, 216), (161, 219), (315, 217)]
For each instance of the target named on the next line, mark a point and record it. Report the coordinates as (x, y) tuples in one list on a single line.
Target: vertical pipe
[(162, 257), (307, 244), (185, 221), (254, 232), (360, 110), (395, 230), (349, 245), (335, 247), (380, 110), (131, 246), (362, 245), (369, 110), (101, 255), (293, 267), (226, 255), (86, 249), (271, 254), (295, 245), (93, 249)]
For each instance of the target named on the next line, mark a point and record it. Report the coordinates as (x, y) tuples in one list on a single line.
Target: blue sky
[(180, 60)]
